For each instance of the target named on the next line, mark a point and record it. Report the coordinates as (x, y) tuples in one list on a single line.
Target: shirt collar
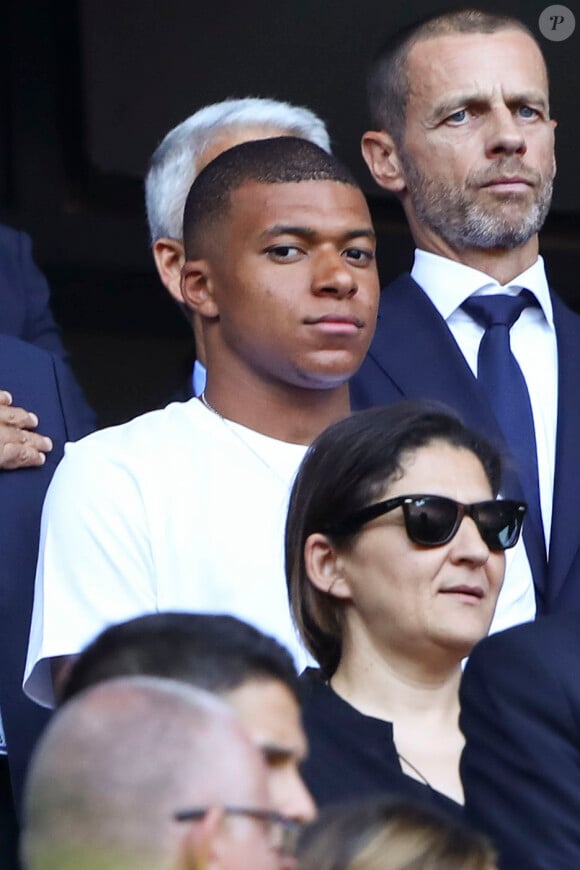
[(448, 283), (198, 378)]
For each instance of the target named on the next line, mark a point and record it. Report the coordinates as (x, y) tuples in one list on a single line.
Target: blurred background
[(90, 87)]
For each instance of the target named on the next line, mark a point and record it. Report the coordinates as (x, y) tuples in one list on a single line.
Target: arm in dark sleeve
[(520, 699)]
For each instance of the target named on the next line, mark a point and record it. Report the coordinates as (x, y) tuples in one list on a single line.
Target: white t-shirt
[(175, 510)]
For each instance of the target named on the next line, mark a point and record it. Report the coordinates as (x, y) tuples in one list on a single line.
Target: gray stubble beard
[(463, 222)]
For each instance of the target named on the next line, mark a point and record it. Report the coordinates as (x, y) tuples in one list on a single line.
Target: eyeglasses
[(432, 520), (283, 832)]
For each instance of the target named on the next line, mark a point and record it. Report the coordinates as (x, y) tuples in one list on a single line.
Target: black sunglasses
[(283, 832), (432, 520)]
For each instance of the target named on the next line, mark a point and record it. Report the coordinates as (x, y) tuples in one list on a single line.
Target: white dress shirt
[(533, 341)]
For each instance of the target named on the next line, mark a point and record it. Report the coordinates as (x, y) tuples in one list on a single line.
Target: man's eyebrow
[(310, 233), (366, 232), (273, 752), (534, 98), (462, 100), (455, 103), (289, 230)]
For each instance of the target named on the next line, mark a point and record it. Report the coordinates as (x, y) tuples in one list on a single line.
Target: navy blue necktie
[(501, 377)]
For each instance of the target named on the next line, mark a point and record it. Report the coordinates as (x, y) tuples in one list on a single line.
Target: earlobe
[(201, 847), (169, 259), (324, 566), (197, 288), (382, 158)]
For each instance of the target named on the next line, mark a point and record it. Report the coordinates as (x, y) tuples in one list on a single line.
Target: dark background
[(89, 87)]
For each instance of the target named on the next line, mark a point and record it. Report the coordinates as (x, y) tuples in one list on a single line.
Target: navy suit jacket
[(39, 381), (414, 355), (520, 701)]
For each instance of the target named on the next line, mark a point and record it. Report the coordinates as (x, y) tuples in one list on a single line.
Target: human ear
[(201, 847), (325, 566), (197, 288), (382, 158), (169, 259)]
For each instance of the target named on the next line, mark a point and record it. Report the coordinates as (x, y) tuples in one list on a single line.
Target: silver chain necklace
[(234, 431), (421, 777)]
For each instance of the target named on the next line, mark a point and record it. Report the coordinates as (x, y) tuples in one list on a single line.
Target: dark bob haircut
[(345, 469)]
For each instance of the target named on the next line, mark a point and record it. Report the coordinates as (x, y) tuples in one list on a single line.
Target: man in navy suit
[(42, 381), (464, 138), (520, 701), (36, 379)]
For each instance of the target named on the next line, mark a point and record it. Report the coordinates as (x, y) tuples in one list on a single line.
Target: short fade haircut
[(346, 468), (212, 652), (388, 80), (175, 162), (281, 160)]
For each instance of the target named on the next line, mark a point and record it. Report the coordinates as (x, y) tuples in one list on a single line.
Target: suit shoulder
[(402, 297), (402, 283), (555, 635), (12, 348), (10, 237), (12, 243), (562, 311)]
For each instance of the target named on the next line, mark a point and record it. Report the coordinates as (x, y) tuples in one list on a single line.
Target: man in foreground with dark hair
[(463, 136), (143, 774), (250, 671), (185, 508)]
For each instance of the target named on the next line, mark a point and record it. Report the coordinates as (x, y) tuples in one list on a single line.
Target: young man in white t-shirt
[(184, 508)]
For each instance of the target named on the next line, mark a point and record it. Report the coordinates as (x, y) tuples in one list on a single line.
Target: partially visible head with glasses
[(394, 536), (282, 833), (118, 764)]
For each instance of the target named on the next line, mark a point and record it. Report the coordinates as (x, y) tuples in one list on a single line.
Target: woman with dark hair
[(383, 834), (394, 560)]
